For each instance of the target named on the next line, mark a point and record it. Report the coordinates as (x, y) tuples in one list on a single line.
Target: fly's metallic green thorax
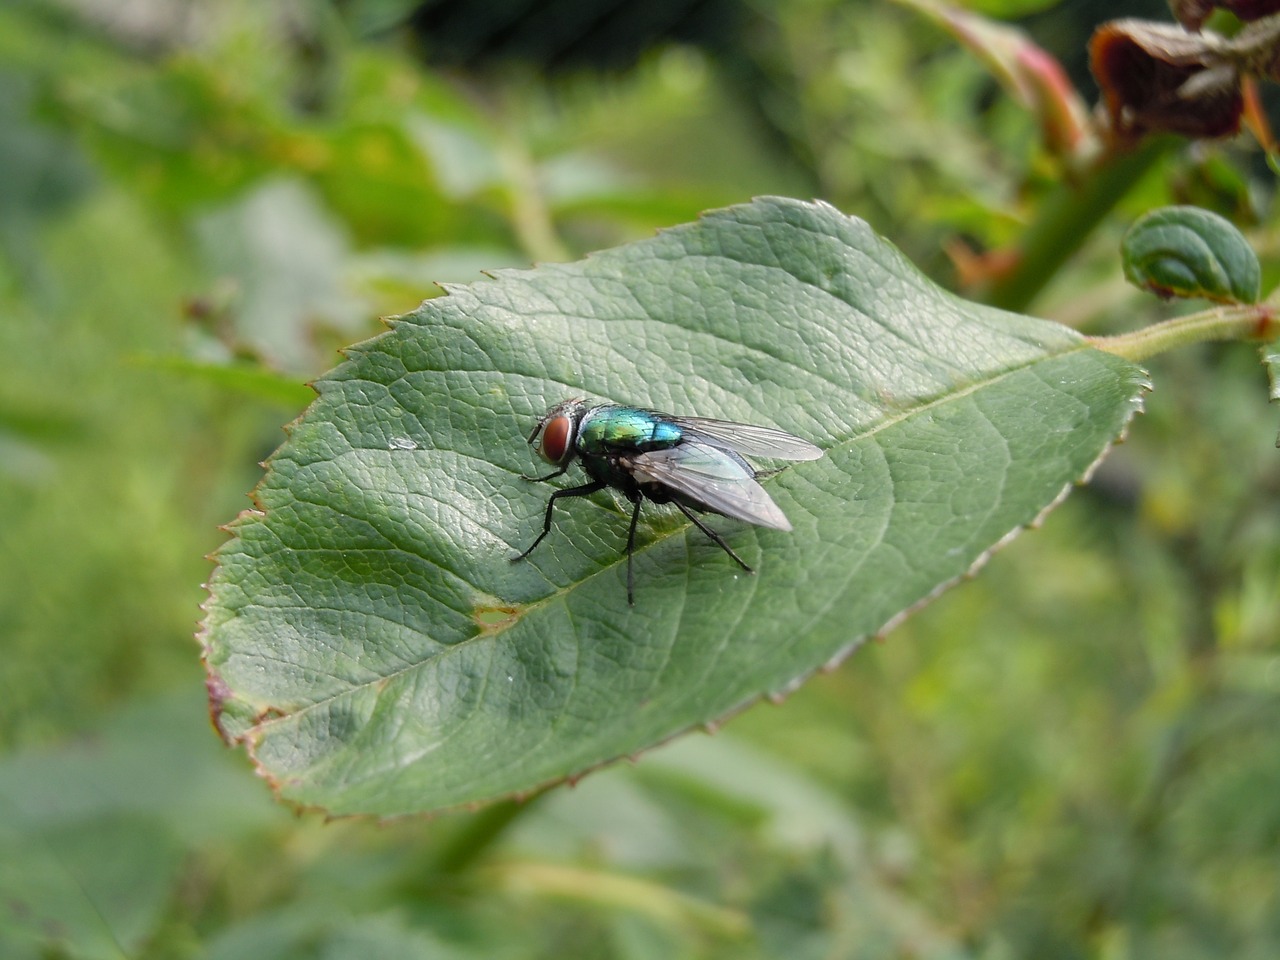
[(695, 463), (611, 429)]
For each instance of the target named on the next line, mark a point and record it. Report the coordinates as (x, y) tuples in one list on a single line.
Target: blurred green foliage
[(1074, 755)]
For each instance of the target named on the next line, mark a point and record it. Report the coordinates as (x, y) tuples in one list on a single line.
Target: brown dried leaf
[(1160, 78), (1193, 13)]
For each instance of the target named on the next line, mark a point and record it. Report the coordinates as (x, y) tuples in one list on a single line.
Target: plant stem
[(1241, 322), (531, 216), (1066, 219), (667, 906), (471, 842)]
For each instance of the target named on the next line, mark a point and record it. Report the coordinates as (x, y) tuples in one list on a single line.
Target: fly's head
[(557, 431)]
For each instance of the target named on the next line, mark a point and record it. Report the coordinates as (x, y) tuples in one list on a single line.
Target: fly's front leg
[(585, 490), (549, 476)]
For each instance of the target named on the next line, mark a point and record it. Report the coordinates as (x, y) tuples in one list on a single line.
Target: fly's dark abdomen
[(611, 469)]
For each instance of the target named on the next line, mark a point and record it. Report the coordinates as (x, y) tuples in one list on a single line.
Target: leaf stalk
[(1255, 321)]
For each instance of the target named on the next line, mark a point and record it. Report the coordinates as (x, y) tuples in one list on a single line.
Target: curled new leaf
[(1190, 252)]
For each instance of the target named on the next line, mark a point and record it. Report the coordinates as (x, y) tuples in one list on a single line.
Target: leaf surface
[(367, 636)]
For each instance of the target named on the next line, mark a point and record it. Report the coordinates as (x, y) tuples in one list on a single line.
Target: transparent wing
[(712, 478), (748, 439)]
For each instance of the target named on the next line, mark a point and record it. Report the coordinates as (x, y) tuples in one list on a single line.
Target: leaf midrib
[(532, 606)]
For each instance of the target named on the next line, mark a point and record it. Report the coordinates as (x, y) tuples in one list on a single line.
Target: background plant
[(1072, 755)]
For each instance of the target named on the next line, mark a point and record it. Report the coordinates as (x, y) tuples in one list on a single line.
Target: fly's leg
[(713, 535), (631, 546), (549, 476), (585, 490)]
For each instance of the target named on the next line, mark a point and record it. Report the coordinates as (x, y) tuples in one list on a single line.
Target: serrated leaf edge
[(252, 735)]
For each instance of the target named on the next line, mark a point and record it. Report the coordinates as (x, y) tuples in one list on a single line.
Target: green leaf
[(368, 638), (94, 833), (1190, 252), (1009, 9), (310, 930), (90, 889), (243, 377)]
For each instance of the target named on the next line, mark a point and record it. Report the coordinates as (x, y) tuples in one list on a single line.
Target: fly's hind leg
[(713, 535)]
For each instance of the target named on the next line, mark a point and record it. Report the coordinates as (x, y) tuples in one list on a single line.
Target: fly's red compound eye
[(555, 439)]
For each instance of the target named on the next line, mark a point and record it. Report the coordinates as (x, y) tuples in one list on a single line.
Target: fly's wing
[(711, 478), (748, 439)]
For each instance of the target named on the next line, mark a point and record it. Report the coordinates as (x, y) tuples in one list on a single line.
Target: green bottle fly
[(693, 462)]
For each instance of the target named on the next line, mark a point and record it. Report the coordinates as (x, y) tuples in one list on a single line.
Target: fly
[(695, 463)]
